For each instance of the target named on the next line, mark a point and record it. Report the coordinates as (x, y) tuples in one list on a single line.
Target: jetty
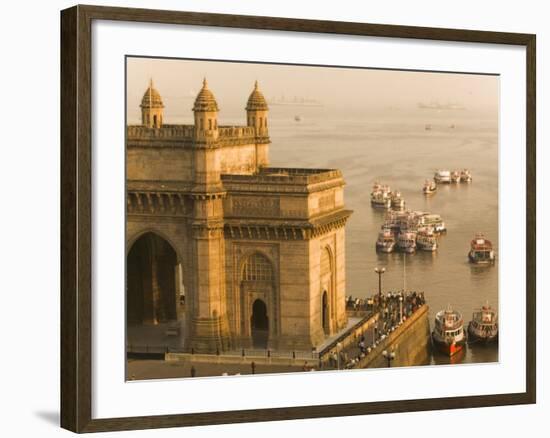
[(394, 322)]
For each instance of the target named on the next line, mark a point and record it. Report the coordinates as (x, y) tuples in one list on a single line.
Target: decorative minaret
[(256, 117), (206, 115), (152, 108), (206, 316)]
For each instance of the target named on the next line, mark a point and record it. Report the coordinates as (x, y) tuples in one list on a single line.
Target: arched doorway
[(326, 280), (259, 301), (259, 324), (324, 313), (151, 281)]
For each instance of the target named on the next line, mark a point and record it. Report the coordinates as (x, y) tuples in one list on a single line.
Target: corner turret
[(206, 114), (152, 108), (256, 111), (256, 117)]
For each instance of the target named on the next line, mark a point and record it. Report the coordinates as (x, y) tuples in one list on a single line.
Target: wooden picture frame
[(76, 217)]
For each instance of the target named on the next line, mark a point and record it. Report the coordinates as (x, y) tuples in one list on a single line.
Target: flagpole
[(404, 271)]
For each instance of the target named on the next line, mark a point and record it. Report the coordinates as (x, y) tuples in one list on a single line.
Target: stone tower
[(206, 115), (209, 328), (152, 108), (256, 116)]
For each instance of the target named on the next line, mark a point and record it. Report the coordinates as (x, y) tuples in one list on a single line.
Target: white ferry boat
[(484, 325), (448, 334), (434, 221), (406, 241), (442, 177), (430, 187), (386, 241), (481, 250), (426, 239)]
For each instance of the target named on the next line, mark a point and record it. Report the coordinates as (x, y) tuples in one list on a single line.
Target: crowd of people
[(392, 309), (358, 304)]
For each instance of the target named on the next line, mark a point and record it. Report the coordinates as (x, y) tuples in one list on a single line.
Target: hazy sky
[(180, 80)]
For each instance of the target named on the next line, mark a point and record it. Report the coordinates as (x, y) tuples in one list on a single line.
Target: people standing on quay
[(395, 308)]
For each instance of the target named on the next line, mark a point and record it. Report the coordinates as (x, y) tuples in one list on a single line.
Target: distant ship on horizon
[(294, 101), (441, 106)]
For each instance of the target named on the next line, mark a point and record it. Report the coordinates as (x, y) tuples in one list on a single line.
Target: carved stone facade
[(259, 251)]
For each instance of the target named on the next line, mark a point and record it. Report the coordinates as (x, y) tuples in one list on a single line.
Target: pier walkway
[(385, 314)]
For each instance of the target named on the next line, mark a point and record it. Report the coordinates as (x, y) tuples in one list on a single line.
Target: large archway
[(151, 281), (259, 324)]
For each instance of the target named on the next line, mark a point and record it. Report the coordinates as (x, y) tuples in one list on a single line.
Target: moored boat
[(380, 196), (397, 201), (465, 176), (448, 334), (442, 177), (380, 200), (386, 241), (481, 250), (455, 176), (391, 221), (406, 241), (430, 187), (434, 221), (426, 239), (376, 187), (484, 325)]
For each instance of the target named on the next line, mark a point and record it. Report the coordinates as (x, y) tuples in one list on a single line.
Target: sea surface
[(393, 146)]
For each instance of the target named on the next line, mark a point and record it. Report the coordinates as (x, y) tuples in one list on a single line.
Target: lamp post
[(389, 355), (379, 271), (338, 349), (400, 308)]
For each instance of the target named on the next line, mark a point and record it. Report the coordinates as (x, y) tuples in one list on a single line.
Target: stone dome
[(151, 98), (205, 100), (256, 100)]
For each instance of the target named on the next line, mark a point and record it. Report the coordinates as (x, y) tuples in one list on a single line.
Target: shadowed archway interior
[(324, 316), (151, 281), (259, 324)]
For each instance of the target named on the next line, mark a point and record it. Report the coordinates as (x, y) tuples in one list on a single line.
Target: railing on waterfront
[(267, 353), (357, 326), (244, 352)]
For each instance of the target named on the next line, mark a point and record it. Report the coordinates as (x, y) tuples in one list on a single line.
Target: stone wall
[(159, 164)]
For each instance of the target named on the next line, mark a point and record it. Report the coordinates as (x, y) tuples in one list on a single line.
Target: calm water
[(394, 148)]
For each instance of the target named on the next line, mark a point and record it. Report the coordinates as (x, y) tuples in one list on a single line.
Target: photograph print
[(296, 218)]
